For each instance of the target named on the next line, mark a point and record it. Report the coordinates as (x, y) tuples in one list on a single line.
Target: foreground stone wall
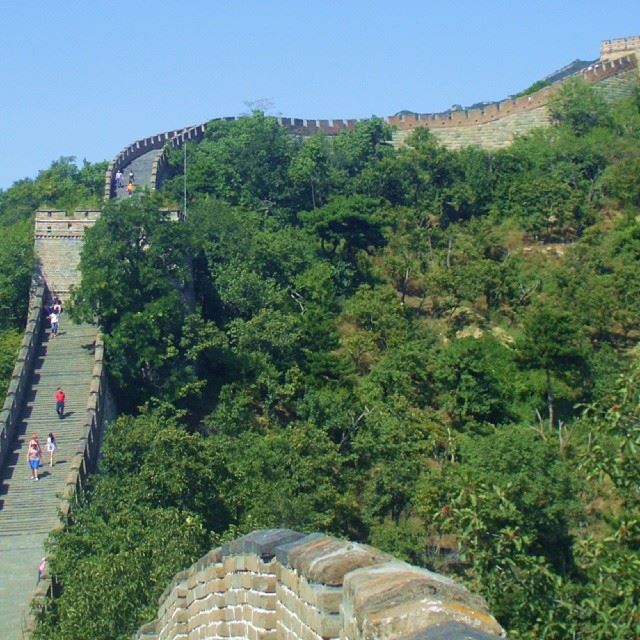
[(278, 584)]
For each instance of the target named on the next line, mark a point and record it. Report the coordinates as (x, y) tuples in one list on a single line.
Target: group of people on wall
[(34, 450), (131, 184)]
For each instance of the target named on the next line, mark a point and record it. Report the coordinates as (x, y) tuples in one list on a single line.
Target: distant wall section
[(497, 125), (492, 127)]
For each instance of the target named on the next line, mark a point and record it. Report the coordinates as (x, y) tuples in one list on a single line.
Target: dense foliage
[(429, 350), (63, 186)]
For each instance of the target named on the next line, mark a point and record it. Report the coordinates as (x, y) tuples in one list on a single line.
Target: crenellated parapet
[(473, 117), (619, 48), (279, 584), (491, 126), (55, 223)]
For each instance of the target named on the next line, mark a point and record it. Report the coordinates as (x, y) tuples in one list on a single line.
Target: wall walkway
[(30, 509)]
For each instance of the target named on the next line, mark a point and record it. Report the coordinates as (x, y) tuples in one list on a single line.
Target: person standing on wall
[(54, 319), (51, 447), (60, 398), (33, 456)]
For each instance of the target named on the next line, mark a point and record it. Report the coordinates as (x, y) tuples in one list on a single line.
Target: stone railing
[(22, 371), (278, 584), (82, 464)]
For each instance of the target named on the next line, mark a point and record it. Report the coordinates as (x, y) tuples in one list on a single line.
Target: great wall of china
[(274, 584)]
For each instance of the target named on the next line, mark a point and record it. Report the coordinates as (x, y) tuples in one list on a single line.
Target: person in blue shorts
[(33, 456)]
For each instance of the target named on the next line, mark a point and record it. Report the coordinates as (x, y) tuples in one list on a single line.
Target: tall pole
[(184, 193)]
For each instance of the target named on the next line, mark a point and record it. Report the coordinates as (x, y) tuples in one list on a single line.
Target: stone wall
[(279, 584), (619, 48), (58, 240), (496, 125), (22, 371), (493, 126)]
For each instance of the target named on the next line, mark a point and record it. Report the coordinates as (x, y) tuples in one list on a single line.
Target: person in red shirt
[(60, 397)]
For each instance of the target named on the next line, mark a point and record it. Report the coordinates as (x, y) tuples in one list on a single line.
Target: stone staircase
[(29, 509), (141, 168)]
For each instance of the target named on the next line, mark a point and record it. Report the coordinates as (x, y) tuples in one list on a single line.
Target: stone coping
[(274, 584)]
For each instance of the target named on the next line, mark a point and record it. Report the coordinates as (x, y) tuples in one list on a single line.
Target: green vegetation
[(536, 86), (63, 186), (428, 350)]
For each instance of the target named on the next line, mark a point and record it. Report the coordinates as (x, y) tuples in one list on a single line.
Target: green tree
[(579, 106), (552, 341)]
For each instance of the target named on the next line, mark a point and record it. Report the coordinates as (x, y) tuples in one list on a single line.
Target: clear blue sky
[(87, 78)]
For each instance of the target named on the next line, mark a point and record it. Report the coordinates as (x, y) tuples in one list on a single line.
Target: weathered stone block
[(386, 585), (410, 617), (261, 600), (262, 542), (288, 577), (323, 597), (263, 583), (326, 560), (263, 619)]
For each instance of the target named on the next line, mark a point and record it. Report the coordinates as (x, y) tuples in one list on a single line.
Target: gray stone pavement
[(141, 168)]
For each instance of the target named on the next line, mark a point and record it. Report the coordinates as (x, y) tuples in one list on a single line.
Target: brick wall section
[(278, 584), (619, 48), (58, 240)]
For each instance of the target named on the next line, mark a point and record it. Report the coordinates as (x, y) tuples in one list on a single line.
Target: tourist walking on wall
[(60, 398), (33, 456), (51, 447), (53, 319), (118, 179), (42, 568)]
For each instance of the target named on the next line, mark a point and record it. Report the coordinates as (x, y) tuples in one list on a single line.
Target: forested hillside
[(63, 186), (434, 352)]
